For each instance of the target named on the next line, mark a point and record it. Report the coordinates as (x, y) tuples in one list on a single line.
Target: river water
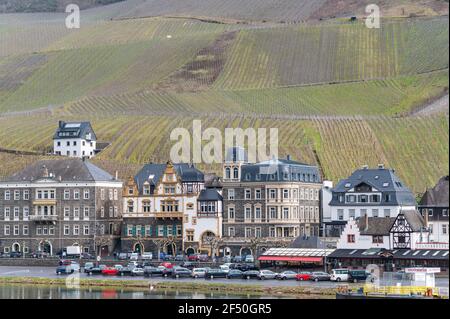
[(19, 291)]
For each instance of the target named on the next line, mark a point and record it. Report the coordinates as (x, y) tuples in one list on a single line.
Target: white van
[(147, 256), (199, 272), (134, 256), (339, 275)]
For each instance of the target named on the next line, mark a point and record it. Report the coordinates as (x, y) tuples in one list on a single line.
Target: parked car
[(118, 267), (199, 272), (123, 256), (151, 271), (137, 271), (147, 256), (91, 268), (224, 268), (87, 256), (304, 275), (249, 259), (181, 272), (215, 273), (287, 275), (167, 265), (203, 258), (320, 276), (168, 258), (250, 274), (267, 274), (188, 264), (127, 270), (15, 254), (110, 271), (193, 257), (39, 254), (358, 275), (227, 259), (246, 267), (339, 275), (71, 263), (234, 273), (237, 259), (64, 269), (134, 256), (179, 258)]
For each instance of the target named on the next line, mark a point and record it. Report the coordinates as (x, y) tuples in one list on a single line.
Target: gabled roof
[(414, 219), (66, 170), (209, 194), (382, 179), (437, 196), (152, 174), (378, 226), (82, 130)]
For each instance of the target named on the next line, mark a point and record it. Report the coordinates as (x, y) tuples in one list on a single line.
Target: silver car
[(285, 275), (267, 274)]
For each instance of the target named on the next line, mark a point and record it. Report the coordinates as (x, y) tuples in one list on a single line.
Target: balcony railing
[(44, 218), (431, 245)]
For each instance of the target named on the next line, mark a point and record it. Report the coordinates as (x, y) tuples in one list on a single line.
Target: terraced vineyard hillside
[(339, 93)]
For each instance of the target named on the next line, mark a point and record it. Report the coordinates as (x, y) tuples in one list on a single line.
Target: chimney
[(425, 217), (45, 171), (366, 222), (117, 175), (365, 167), (61, 124), (289, 157), (60, 178)]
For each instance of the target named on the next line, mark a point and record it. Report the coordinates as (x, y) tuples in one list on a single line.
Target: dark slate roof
[(280, 170), (384, 180), (66, 169), (74, 130), (374, 253), (414, 219), (213, 181), (209, 194), (377, 225), (307, 242), (437, 196), (187, 173)]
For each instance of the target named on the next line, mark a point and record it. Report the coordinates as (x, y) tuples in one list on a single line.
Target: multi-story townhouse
[(53, 204), (434, 206), (165, 212), (267, 203), (75, 139), (372, 192)]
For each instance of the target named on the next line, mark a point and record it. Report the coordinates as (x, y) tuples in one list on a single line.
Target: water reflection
[(61, 292)]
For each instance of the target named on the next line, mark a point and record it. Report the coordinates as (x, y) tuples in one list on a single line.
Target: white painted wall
[(361, 241), (79, 147), (394, 211)]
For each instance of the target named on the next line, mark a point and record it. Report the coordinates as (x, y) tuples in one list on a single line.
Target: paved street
[(49, 272)]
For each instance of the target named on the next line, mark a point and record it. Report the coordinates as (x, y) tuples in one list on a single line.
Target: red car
[(110, 271), (193, 257), (303, 276), (167, 265)]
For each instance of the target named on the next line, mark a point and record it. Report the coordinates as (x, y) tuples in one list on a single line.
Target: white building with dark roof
[(75, 139), (373, 192)]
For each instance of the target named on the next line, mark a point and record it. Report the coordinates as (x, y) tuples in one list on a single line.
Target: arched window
[(227, 172), (236, 173)]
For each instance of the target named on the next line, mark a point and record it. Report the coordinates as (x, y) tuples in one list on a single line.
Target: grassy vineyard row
[(393, 96), (71, 74), (334, 53), (416, 147)]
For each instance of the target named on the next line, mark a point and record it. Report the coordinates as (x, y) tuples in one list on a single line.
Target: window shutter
[(165, 230), (143, 231), (134, 231)]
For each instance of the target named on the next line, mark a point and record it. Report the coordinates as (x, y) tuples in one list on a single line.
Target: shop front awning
[(291, 258)]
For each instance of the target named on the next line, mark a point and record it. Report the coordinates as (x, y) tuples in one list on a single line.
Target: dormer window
[(146, 189), (385, 184), (227, 172), (130, 191), (236, 173), (348, 185)]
